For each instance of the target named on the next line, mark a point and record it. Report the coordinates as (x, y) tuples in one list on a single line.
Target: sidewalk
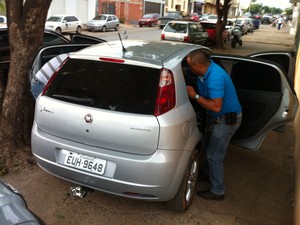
[(263, 39)]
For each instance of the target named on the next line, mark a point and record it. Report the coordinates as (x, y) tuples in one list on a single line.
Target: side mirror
[(64, 21)]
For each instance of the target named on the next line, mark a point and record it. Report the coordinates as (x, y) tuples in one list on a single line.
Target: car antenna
[(124, 50)]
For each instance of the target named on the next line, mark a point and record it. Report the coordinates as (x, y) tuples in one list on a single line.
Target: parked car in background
[(149, 19), (204, 16), (116, 117), (14, 209), (174, 15), (210, 28), (212, 18), (246, 24), (3, 21), (185, 31), (194, 17), (64, 23), (266, 20), (103, 23), (256, 23), (230, 24)]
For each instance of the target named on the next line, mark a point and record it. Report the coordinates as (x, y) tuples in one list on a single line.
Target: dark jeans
[(219, 138)]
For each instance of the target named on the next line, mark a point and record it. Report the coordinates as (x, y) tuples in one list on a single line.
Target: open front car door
[(266, 93)]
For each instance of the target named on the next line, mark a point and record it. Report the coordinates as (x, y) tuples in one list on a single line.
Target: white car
[(103, 22), (185, 31), (64, 23), (3, 21), (246, 24)]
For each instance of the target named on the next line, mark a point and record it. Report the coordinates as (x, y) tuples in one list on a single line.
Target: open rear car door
[(48, 52), (285, 59), (266, 93)]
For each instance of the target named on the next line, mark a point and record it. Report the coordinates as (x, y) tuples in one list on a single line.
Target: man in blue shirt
[(217, 94)]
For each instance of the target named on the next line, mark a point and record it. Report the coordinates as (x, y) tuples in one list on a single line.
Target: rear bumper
[(153, 177), (94, 27)]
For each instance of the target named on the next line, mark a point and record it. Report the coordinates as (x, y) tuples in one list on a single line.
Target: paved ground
[(260, 185)]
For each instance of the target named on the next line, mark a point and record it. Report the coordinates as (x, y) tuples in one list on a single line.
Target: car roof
[(104, 14), (205, 21), (153, 52), (62, 15), (183, 22)]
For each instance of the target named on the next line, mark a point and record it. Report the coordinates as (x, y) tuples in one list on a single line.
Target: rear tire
[(78, 30), (240, 43), (184, 197), (117, 27), (233, 43), (58, 30)]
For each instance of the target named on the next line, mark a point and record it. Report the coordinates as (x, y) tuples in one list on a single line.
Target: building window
[(108, 8)]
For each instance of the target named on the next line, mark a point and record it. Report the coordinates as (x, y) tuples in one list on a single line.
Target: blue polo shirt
[(216, 83)]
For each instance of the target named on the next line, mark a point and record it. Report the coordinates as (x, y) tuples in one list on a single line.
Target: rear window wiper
[(75, 99)]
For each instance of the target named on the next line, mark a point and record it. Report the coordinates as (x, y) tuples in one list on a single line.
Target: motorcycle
[(236, 36)]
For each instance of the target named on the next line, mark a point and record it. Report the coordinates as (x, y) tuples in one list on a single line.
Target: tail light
[(162, 36), (186, 39), (165, 99), (53, 76)]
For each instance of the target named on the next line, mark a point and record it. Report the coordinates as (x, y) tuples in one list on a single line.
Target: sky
[(282, 4)]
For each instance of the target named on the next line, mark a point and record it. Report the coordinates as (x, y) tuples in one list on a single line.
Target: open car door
[(267, 97), (285, 59), (48, 52), (83, 39)]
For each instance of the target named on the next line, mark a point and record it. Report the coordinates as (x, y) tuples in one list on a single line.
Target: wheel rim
[(191, 181)]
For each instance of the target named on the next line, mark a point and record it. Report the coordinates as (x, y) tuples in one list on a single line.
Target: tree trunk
[(222, 12), (26, 25)]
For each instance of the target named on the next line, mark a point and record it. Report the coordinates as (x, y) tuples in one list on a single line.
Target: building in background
[(83, 9)]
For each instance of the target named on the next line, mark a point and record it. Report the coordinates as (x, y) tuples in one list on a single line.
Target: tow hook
[(79, 191)]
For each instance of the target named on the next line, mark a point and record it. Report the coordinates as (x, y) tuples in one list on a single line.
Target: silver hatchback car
[(116, 117), (103, 23)]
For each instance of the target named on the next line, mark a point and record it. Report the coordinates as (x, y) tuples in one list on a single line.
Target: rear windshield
[(208, 25), (176, 28), (111, 86)]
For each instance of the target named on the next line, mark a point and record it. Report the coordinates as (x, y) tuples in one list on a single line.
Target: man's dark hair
[(199, 56)]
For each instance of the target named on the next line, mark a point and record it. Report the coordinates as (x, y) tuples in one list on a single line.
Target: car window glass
[(4, 38), (176, 27), (49, 53), (110, 86), (85, 40), (109, 18), (257, 76), (51, 38), (101, 17), (194, 28), (208, 25), (55, 19)]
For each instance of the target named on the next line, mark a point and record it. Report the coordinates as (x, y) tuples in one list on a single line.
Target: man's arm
[(214, 105)]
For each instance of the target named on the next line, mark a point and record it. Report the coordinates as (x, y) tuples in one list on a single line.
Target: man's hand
[(191, 91), (214, 105)]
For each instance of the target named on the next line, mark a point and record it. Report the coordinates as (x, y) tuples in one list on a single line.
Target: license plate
[(84, 162)]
